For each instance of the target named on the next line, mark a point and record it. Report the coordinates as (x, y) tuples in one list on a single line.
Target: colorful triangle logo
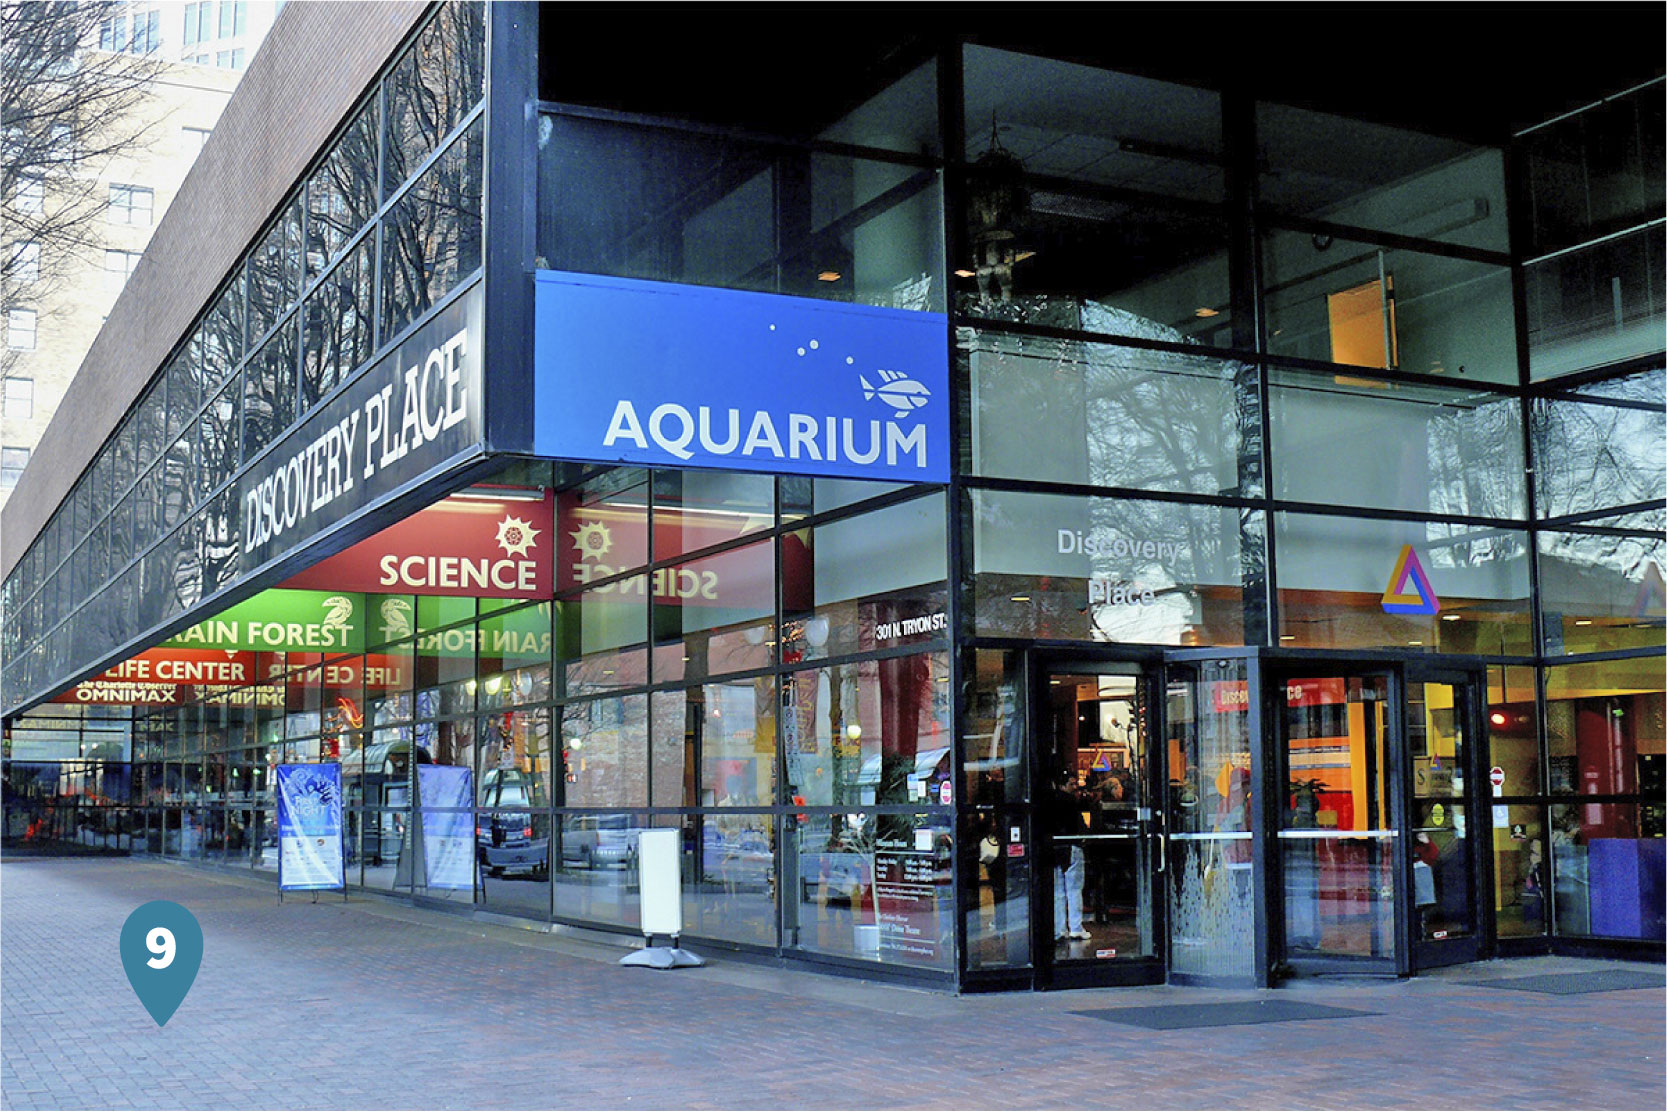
[(1410, 572)]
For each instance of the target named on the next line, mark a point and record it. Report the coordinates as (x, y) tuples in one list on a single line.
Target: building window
[(19, 399), (12, 463), (20, 329), (232, 18), (147, 33), (24, 262), (198, 60), (118, 267), (130, 204), (197, 23), (112, 33), (230, 59), (193, 139), (28, 194)]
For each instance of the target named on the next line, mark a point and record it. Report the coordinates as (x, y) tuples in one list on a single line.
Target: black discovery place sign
[(417, 408)]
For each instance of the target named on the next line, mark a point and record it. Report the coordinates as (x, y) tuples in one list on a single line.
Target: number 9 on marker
[(161, 950), (161, 943)]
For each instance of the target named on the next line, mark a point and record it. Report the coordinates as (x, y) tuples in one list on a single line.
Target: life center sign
[(690, 376), (413, 411)]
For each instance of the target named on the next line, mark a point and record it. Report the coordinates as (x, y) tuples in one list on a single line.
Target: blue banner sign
[(447, 794), (689, 376), (309, 826)]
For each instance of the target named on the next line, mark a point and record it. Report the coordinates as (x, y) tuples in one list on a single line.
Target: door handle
[(1161, 852)]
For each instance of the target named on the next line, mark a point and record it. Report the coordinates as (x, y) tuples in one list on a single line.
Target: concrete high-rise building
[(55, 307)]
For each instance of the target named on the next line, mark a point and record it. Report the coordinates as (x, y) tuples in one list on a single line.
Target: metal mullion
[(1550, 661), (1573, 382), (952, 206), (1574, 522), (1600, 399), (1048, 332), (773, 144), (1297, 363), (1088, 490), (1273, 219)]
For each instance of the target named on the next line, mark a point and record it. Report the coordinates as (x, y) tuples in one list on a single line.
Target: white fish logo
[(897, 390)]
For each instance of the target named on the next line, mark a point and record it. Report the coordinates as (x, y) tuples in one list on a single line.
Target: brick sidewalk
[(372, 1005)]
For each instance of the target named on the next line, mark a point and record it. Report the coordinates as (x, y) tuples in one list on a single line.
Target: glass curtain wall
[(760, 663)]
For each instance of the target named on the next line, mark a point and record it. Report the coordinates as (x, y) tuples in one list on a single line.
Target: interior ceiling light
[(964, 274), (1020, 598), (1584, 621), (1450, 617), (1205, 311), (828, 276)]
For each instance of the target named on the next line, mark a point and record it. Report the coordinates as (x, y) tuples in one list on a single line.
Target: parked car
[(509, 840)]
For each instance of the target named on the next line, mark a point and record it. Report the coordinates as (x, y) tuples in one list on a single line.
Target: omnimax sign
[(687, 376)]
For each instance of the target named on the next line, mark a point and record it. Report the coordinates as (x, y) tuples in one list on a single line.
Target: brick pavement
[(370, 1004)]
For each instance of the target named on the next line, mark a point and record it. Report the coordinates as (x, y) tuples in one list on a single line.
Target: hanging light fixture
[(996, 203)]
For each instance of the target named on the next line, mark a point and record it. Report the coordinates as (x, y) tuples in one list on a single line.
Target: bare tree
[(73, 77)]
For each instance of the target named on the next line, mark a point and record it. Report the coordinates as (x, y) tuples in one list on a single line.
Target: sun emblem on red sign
[(592, 539), (516, 536)]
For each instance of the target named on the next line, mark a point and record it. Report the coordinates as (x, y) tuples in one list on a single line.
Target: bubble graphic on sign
[(162, 949)]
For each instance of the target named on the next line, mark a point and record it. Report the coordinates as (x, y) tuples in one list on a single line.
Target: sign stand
[(662, 899)]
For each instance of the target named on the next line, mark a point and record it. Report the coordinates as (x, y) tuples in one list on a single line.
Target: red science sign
[(478, 544)]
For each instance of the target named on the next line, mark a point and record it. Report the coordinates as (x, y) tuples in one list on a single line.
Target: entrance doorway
[(1443, 728), (1338, 828), (1100, 913)]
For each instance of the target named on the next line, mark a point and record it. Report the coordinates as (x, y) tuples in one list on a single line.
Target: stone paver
[(368, 1004)]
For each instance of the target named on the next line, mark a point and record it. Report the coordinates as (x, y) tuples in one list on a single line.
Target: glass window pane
[(867, 582), (1604, 727), (870, 732), (337, 331), (1607, 869), (729, 878), (593, 861), (1349, 171), (1344, 583), (670, 206), (1338, 301), (1590, 455), (993, 731), (1355, 441), (342, 195), (695, 509), (605, 750), (1520, 872), (432, 239), (437, 82), (872, 887), (1094, 264), (1114, 416), (713, 615), (1069, 120), (516, 762), (1108, 569), (1513, 744), (732, 726), (602, 526), (1594, 172), (1598, 305), (275, 271), (1600, 593), (269, 389)]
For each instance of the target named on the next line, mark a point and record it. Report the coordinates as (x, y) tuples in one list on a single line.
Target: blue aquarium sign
[(689, 376)]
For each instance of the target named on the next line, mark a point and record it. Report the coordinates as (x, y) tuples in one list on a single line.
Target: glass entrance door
[(1099, 920), (1441, 766), (1338, 827)]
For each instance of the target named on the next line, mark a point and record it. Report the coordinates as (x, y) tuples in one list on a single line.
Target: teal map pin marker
[(162, 949)]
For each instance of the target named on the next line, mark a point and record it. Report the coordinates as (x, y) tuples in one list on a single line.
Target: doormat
[(1573, 984), (1179, 1017)]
